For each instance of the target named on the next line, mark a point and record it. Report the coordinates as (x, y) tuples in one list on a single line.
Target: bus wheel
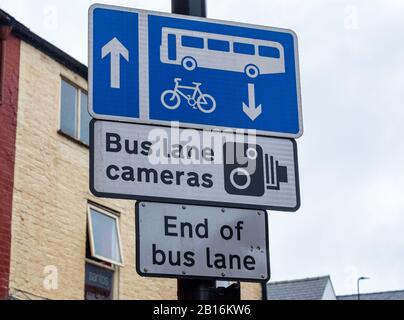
[(252, 71), (189, 63)]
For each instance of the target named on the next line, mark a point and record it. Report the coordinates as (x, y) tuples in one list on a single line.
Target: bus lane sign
[(154, 68)]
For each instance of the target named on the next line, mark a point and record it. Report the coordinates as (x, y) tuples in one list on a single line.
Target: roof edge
[(300, 280), (369, 293), (25, 34), (332, 288)]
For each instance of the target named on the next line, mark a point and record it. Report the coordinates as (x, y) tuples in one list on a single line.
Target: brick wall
[(10, 54)]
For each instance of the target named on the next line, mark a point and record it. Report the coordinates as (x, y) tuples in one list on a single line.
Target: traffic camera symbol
[(248, 172)]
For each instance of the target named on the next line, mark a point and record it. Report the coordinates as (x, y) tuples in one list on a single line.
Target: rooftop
[(25, 34), (301, 289), (386, 295)]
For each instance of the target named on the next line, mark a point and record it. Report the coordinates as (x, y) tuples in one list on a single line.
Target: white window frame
[(79, 91), (91, 237)]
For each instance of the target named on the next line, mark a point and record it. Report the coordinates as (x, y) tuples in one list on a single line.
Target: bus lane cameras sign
[(198, 241), (143, 162), (154, 68)]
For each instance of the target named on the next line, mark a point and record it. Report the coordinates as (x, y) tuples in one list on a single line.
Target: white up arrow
[(251, 110), (116, 49)]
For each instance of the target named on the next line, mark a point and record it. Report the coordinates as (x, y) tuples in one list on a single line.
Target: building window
[(74, 117), (99, 283), (104, 236), (103, 255)]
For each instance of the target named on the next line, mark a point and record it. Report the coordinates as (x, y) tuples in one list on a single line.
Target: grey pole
[(189, 7), (357, 284), (192, 289)]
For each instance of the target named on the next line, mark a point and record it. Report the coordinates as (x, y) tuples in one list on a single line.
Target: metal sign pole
[(192, 289), (189, 7)]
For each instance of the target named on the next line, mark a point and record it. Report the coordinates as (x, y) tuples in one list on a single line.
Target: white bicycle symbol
[(171, 99)]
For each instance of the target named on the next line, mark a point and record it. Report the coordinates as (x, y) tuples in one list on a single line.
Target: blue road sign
[(151, 67)]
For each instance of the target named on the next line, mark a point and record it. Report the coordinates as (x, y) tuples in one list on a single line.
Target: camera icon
[(243, 169), (248, 172)]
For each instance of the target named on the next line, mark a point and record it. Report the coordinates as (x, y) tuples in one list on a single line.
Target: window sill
[(73, 139), (101, 264)]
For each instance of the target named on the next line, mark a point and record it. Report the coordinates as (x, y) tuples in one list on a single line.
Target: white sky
[(351, 222)]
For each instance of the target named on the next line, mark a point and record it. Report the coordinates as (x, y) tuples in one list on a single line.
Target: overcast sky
[(351, 155)]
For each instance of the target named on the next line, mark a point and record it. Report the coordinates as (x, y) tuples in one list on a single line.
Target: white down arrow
[(251, 110)]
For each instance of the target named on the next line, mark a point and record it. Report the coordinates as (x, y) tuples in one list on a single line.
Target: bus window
[(269, 52), (172, 47), (218, 45), (244, 48), (192, 42)]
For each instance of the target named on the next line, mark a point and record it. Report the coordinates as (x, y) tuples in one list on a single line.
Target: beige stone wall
[(51, 196)]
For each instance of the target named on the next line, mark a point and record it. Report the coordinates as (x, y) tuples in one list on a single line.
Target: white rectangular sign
[(174, 240), (144, 162)]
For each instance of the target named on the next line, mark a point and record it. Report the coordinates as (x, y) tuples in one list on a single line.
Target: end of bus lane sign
[(154, 68), (201, 242)]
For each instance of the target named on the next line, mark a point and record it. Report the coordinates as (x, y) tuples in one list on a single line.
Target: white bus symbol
[(193, 49)]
